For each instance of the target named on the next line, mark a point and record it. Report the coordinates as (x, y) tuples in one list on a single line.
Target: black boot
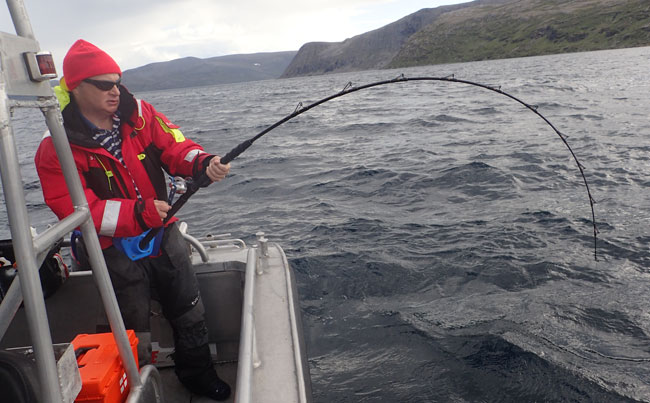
[(208, 384), (195, 371)]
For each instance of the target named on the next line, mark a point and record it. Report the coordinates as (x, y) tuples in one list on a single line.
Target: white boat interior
[(252, 317)]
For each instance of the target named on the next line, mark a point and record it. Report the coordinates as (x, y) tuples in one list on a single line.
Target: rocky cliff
[(372, 50), (483, 29)]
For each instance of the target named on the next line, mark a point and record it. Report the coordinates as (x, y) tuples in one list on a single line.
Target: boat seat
[(53, 272)]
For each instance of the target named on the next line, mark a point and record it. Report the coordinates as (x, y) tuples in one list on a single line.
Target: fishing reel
[(177, 186)]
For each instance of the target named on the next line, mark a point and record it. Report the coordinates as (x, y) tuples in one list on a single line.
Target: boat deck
[(274, 355), (251, 314)]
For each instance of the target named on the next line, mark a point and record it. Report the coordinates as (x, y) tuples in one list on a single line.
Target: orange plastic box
[(102, 374)]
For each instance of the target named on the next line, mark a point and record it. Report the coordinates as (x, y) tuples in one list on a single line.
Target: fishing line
[(349, 88)]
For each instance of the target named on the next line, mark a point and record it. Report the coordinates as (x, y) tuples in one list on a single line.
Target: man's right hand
[(216, 171)]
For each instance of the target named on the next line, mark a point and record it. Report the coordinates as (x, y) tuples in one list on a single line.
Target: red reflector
[(45, 63), (40, 66)]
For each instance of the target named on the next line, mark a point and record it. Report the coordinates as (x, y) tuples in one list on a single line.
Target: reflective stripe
[(176, 133), (109, 220), (139, 102), (189, 157), (46, 134)]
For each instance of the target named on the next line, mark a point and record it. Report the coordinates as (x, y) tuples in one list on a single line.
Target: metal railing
[(257, 263), (302, 373), (247, 347), (26, 248)]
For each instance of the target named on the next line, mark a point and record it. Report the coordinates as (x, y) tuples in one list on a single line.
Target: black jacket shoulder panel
[(128, 105), (77, 131)]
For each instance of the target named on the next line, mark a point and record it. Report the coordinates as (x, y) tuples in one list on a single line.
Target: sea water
[(441, 233)]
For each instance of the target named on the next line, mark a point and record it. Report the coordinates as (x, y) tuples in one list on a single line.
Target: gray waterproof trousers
[(168, 278)]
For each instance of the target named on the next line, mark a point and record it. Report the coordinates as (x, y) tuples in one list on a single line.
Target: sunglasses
[(103, 85)]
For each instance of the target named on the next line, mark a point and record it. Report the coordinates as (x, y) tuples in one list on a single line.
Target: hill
[(372, 50), (195, 72), (483, 29), (528, 28)]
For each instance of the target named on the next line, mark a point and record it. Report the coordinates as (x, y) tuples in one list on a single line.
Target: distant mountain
[(477, 30), (483, 29), (372, 50), (195, 72)]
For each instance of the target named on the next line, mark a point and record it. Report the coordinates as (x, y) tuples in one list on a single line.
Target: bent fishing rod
[(203, 180)]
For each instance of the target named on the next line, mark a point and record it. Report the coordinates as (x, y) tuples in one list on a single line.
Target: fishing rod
[(203, 179)]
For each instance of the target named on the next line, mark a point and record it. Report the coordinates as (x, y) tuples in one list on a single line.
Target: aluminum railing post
[(25, 257)]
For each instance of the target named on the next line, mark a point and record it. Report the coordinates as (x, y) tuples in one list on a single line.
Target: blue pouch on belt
[(130, 246)]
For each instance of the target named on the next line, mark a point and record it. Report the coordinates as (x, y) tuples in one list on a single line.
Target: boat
[(249, 291)]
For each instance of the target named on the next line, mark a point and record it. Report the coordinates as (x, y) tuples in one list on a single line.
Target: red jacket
[(150, 143)]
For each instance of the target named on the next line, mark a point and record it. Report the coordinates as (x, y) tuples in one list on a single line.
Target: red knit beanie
[(85, 60)]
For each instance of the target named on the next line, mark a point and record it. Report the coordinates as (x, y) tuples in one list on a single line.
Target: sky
[(139, 32)]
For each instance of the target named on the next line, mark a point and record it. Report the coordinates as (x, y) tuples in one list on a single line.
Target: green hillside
[(526, 28)]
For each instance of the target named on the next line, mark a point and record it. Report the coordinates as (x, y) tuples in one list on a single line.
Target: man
[(121, 146)]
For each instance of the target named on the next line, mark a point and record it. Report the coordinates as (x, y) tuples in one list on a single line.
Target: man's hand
[(216, 171), (162, 208)]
